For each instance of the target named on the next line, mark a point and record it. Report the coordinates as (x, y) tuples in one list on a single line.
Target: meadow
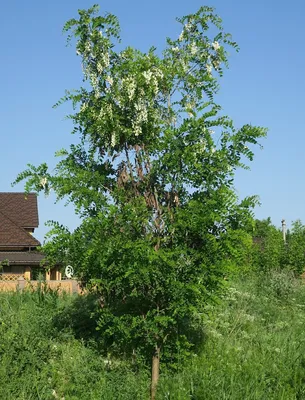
[(253, 348)]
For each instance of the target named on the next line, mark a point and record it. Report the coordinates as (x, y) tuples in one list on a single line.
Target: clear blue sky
[(265, 85)]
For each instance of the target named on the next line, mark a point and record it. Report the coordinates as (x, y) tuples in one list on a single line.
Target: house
[(18, 247)]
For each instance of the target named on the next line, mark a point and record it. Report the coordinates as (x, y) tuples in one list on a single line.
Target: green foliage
[(153, 186), (270, 253), (295, 251), (269, 248)]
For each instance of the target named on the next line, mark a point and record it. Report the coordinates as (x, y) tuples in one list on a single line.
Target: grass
[(255, 348), (256, 345)]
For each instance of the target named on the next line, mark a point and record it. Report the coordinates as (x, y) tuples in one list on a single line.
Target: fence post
[(21, 283), (74, 286)]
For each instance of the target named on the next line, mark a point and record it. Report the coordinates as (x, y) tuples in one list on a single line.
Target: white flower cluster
[(113, 139), (94, 80), (181, 36), (216, 45), (209, 68), (193, 49), (129, 86), (106, 111), (147, 75), (88, 48), (216, 64), (184, 65), (152, 78), (43, 182), (83, 107), (188, 26), (141, 117), (99, 67), (105, 60)]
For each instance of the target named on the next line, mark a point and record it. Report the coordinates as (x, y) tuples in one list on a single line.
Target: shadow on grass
[(79, 316)]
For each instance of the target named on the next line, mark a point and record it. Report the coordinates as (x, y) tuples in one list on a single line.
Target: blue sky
[(264, 86)]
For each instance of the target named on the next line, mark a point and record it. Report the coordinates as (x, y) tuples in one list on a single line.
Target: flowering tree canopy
[(151, 178)]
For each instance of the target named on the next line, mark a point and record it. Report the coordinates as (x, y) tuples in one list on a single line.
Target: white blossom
[(158, 73), (83, 107), (209, 68), (43, 182), (188, 26), (106, 60), (99, 67), (106, 111), (155, 85), (94, 79), (88, 47), (216, 45), (129, 85), (184, 65), (211, 132), (193, 49), (113, 139), (147, 75), (216, 64), (181, 36), (175, 49)]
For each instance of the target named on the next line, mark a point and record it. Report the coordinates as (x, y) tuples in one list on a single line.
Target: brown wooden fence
[(67, 285)]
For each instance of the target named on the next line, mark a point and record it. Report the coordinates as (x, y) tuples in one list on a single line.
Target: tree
[(295, 248), (268, 247), (151, 180)]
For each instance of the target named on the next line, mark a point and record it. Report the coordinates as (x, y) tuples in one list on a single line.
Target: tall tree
[(151, 178)]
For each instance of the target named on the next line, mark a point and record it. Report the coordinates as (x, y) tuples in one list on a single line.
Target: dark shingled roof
[(21, 257), (20, 208), (17, 212)]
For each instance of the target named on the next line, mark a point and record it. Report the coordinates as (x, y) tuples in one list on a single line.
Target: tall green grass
[(254, 348), (256, 345)]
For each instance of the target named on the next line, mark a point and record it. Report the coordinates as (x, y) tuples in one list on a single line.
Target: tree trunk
[(155, 368)]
